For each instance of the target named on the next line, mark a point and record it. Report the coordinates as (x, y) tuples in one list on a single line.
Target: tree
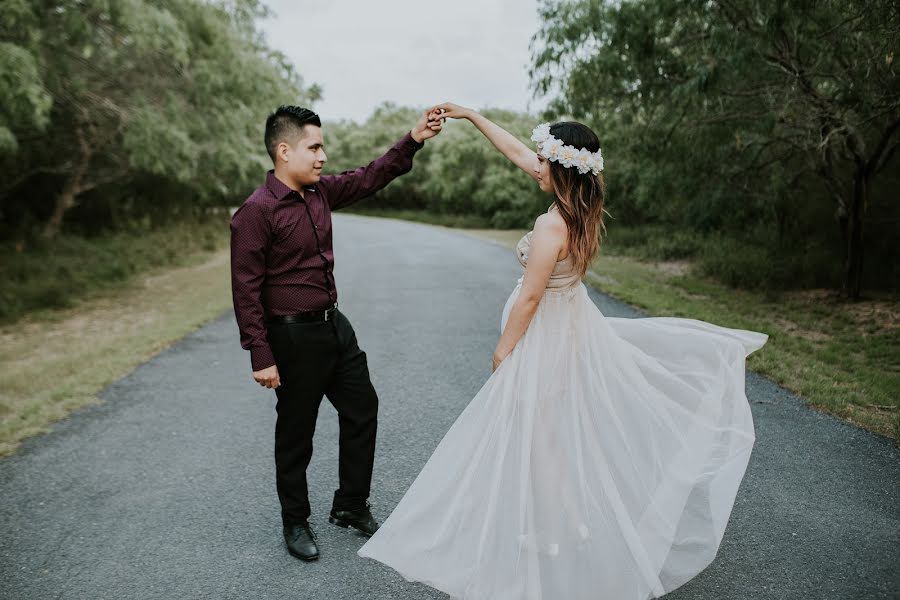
[(175, 89), (770, 94), (829, 75)]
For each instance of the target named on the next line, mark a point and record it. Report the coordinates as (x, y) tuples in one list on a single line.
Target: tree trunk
[(64, 201), (66, 198), (854, 257)]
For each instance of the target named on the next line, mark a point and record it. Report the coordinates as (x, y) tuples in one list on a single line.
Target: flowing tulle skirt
[(600, 461)]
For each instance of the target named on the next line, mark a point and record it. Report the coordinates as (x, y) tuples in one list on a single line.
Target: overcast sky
[(414, 53)]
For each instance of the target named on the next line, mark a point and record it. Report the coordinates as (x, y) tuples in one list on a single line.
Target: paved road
[(166, 490)]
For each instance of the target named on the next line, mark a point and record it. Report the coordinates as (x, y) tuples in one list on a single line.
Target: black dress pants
[(315, 360)]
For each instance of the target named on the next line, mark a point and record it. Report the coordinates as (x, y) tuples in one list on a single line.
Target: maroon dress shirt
[(282, 259)]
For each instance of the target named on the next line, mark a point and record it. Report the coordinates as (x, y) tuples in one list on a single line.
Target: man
[(285, 302)]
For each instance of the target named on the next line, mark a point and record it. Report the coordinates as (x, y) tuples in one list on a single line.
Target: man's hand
[(428, 126), (268, 377)]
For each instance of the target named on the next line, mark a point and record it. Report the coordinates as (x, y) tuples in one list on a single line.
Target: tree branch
[(881, 153), (62, 169), (886, 160)]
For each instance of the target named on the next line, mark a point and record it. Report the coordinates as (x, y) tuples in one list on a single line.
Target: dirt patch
[(882, 311), (673, 268), (796, 330), (602, 279)]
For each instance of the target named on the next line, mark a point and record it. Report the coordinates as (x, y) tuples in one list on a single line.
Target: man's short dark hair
[(286, 125)]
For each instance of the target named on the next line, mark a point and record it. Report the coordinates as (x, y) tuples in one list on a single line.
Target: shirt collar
[(279, 189)]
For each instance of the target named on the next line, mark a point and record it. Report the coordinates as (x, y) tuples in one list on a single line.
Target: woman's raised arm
[(509, 145)]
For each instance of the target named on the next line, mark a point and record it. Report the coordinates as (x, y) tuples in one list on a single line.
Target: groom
[(285, 302)]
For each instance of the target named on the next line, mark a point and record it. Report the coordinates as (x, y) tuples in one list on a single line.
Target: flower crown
[(568, 156)]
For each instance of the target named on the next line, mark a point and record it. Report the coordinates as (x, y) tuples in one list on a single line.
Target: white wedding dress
[(600, 461)]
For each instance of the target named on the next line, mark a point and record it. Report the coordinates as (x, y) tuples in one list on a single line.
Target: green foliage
[(652, 242), (747, 116), (757, 137), (98, 94), (22, 97), (458, 173)]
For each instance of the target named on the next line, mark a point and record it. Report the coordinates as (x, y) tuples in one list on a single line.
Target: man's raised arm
[(352, 186)]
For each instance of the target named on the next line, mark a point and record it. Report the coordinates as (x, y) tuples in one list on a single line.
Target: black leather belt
[(313, 316)]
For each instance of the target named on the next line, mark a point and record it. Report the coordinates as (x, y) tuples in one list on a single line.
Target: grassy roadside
[(840, 357), (41, 277), (55, 361)]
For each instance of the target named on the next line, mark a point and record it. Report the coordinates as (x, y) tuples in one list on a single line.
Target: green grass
[(53, 362)]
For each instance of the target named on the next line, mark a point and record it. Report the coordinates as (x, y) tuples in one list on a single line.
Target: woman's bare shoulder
[(552, 229), (551, 223)]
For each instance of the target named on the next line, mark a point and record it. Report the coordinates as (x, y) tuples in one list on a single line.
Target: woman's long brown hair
[(579, 197)]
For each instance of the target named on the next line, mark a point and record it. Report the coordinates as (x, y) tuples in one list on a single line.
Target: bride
[(602, 457)]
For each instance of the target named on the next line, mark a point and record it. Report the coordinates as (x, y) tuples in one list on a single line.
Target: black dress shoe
[(301, 541), (360, 520)]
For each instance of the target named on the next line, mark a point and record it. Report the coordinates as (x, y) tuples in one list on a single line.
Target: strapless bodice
[(563, 275)]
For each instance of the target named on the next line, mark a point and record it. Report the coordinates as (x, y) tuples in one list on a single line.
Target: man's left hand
[(428, 126)]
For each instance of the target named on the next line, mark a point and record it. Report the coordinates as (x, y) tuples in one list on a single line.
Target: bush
[(653, 242), (54, 274), (745, 264), (737, 263)]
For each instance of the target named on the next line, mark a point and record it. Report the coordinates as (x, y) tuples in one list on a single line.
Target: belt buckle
[(330, 310)]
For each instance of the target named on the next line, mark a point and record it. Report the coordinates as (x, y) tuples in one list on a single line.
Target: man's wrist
[(261, 358), (416, 136)]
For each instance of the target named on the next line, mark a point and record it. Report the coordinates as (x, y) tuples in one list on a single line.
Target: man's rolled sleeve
[(352, 186), (250, 233)]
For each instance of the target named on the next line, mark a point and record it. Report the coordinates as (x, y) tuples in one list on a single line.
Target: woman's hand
[(499, 357), (428, 126), (453, 111)]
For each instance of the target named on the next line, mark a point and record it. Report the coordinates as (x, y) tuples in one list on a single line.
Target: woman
[(602, 457)]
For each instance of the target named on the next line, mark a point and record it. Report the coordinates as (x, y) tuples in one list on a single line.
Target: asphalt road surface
[(166, 490)]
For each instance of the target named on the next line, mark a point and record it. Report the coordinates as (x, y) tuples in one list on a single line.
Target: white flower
[(584, 160), (567, 156), (598, 163), (541, 133), (551, 148)]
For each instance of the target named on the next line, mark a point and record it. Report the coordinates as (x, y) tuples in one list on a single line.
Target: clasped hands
[(428, 125), (432, 120)]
